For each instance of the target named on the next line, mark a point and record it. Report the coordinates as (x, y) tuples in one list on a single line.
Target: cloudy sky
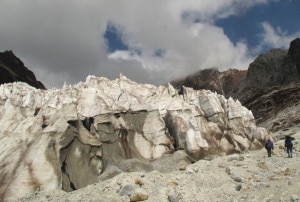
[(149, 41)]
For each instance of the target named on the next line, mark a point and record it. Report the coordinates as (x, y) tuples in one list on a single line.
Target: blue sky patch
[(113, 39), (247, 25)]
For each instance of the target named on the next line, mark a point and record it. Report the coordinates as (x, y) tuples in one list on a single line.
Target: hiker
[(289, 146), (269, 147)]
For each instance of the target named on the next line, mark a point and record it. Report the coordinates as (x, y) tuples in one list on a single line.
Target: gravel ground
[(249, 176)]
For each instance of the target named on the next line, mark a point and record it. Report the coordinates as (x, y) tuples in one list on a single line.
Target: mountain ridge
[(12, 69)]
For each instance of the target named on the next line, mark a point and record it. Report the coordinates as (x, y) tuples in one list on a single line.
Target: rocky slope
[(271, 88), (279, 108), (75, 136), (12, 69), (294, 53), (212, 79), (273, 68)]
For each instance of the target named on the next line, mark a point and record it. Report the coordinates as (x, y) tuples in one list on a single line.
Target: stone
[(189, 170), (110, 172), (227, 170), (173, 198), (238, 187), (294, 197), (139, 195), (182, 168), (235, 157), (126, 190), (289, 172), (236, 177)]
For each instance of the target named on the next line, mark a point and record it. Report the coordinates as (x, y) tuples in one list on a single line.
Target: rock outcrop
[(279, 108), (271, 88), (212, 79), (273, 68), (12, 69), (294, 52), (72, 137)]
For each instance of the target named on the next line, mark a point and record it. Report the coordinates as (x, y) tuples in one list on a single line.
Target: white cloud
[(122, 55), (63, 40), (275, 37)]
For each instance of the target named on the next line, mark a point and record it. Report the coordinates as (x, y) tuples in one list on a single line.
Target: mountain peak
[(12, 69)]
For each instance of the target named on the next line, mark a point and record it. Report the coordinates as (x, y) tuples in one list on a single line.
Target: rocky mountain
[(80, 135), (271, 87), (212, 79), (12, 69), (277, 109), (268, 88), (273, 68), (294, 53)]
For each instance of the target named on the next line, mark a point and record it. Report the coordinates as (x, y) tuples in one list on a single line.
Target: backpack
[(268, 145), (289, 143)]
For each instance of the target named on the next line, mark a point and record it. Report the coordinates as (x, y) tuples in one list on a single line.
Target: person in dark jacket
[(288, 146), (269, 147)]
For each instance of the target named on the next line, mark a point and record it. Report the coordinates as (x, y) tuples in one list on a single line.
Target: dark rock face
[(211, 79), (274, 68), (277, 108), (271, 86), (12, 69), (294, 52)]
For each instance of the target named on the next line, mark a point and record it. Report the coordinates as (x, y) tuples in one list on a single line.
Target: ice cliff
[(67, 138)]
